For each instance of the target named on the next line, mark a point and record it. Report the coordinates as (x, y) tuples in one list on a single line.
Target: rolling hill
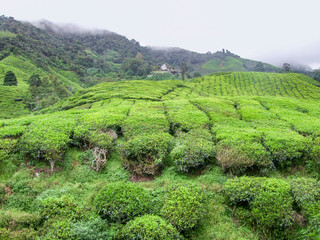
[(215, 151), (77, 59)]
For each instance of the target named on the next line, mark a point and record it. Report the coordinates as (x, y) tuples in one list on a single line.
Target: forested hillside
[(230, 155), (65, 61)]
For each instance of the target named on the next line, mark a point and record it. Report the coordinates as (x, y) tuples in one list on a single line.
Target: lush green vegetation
[(231, 155), (66, 62)]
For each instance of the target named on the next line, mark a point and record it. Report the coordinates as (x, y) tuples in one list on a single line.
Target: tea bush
[(148, 227), (272, 206), (15, 220), (48, 138), (184, 206), (121, 202), (305, 191), (193, 150), (265, 202), (63, 207), (242, 190), (184, 116), (145, 154), (146, 117), (93, 229), (237, 156)]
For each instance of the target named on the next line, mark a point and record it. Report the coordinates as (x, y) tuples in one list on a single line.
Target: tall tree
[(34, 80), (316, 74), (286, 67), (259, 67), (184, 70), (10, 79)]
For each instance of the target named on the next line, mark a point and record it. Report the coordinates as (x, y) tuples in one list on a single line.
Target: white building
[(164, 67)]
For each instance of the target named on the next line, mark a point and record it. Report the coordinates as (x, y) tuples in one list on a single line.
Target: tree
[(135, 66), (196, 75), (259, 67), (286, 67), (34, 80), (184, 70), (10, 79), (316, 74)]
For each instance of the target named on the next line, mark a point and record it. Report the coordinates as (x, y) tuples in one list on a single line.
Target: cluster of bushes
[(132, 206), (245, 141), (276, 206), (117, 211), (19, 225)]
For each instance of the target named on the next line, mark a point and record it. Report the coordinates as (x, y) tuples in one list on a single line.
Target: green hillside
[(231, 63), (67, 62), (12, 98), (94, 56), (231, 155)]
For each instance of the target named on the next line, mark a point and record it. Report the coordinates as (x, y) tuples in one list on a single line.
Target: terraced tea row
[(293, 86)]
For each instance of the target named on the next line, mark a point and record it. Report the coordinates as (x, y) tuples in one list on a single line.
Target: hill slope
[(187, 140), (88, 52), (232, 155), (225, 84), (77, 59), (232, 63)]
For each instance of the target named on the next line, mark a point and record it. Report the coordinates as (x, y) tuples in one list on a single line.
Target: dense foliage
[(187, 144), (10, 79), (146, 154), (122, 202), (148, 227), (184, 206)]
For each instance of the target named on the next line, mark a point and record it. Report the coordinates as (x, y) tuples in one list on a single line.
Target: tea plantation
[(231, 155)]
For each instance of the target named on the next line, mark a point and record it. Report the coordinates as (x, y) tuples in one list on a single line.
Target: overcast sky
[(274, 31)]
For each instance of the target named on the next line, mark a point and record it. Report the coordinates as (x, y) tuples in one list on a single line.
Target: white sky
[(274, 31)]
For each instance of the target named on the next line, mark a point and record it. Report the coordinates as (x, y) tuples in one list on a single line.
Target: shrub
[(305, 191), (272, 206), (48, 138), (265, 202), (312, 231), (102, 143), (148, 227), (241, 191), (287, 147), (145, 154), (121, 202), (10, 79), (184, 116), (194, 150), (237, 156), (18, 220), (94, 229), (88, 138), (63, 207), (184, 207), (19, 225), (3, 195), (22, 234), (313, 164), (60, 229), (23, 195)]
